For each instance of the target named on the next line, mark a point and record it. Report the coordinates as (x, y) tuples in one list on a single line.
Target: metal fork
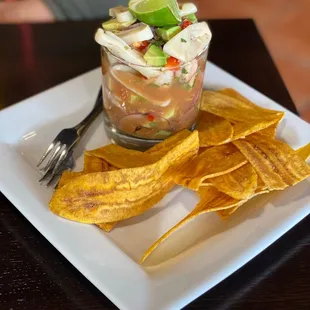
[(60, 150)]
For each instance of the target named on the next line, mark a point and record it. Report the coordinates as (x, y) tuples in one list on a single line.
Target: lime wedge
[(158, 13)]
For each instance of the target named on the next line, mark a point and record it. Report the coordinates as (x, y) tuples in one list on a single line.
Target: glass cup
[(144, 105)]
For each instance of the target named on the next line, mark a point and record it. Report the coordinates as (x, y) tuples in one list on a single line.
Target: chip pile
[(231, 157)]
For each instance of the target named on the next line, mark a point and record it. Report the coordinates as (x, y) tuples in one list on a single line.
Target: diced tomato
[(143, 45), (185, 23), (150, 117), (173, 63)]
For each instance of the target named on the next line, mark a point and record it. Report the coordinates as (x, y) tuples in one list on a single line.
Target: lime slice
[(158, 13)]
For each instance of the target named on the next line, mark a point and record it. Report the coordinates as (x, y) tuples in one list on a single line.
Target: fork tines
[(50, 165)]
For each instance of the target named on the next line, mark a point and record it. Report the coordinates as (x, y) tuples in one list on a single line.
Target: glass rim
[(202, 53)]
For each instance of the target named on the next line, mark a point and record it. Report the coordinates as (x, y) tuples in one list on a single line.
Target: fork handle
[(88, 120)]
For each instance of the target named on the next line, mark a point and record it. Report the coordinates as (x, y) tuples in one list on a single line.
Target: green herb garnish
[(183, 40), (184, 71)]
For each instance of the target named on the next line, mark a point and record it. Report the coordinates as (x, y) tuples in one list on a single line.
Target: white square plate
[(194, 259)]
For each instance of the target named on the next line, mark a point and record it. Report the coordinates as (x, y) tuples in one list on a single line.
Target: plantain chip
[(210, 200), (304, 152), (238, 159), (116, 195), (91, 164), (94, 164), (267, 127), (202, 149), (239, 184), (100, 207), (246, 117), (261, 186), (107, 227), (275, 162), (163, 147), (227, 212), (271, 130), (261, 189), (121, 157), (230, 92), (68, 176), (235, 110), (227, 158), (213, 130)]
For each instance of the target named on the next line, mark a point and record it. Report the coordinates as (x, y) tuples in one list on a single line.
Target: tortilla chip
[(111, 196), (239, 184), (227, 158), (275, 162), (210, 200), (213, 130), (304, 152)]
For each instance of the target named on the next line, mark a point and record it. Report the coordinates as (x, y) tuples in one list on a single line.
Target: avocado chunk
[(166, 33), (134, 98), (112, 24), (150, 125), (191, 17), (155, 56), (162, 134), (169, 114)]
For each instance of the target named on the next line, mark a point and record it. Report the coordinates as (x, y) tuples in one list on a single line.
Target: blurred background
[(285, 28), (284, 25)]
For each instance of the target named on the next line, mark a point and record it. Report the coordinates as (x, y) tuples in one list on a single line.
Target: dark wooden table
[(34, 275)]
